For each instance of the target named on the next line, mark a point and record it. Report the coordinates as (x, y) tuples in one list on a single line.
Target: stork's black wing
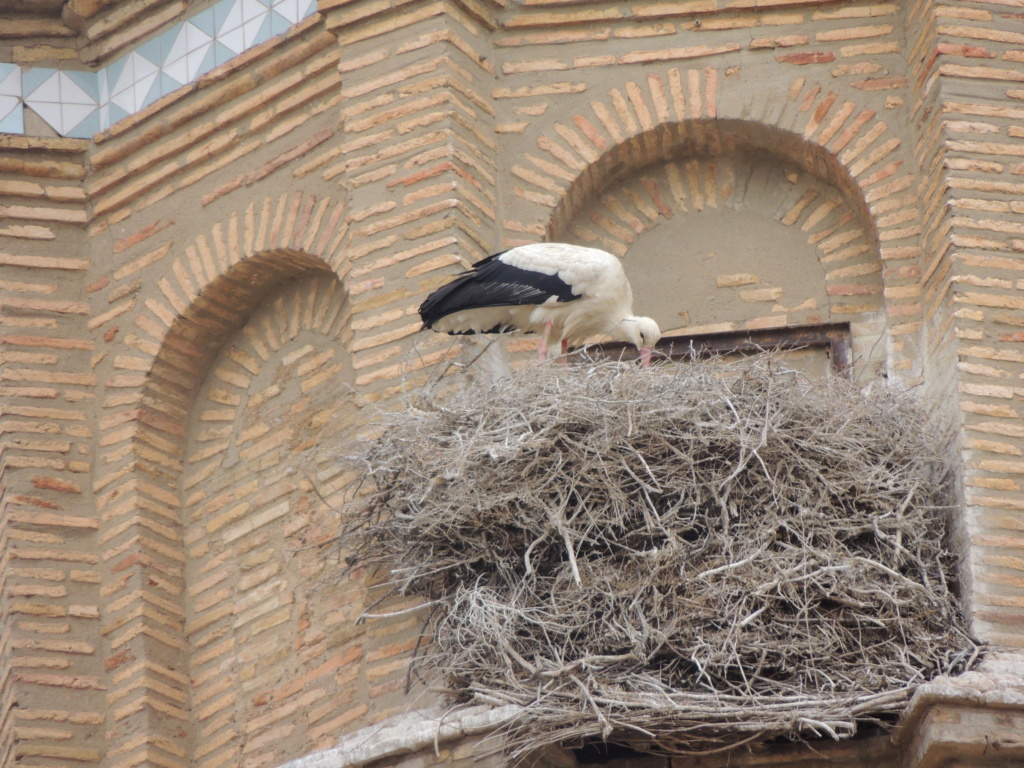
[(493, 283)]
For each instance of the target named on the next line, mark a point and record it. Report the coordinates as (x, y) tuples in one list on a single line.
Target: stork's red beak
[(645, 357)]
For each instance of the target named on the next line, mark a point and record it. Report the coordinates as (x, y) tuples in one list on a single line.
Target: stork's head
[(644, 333)]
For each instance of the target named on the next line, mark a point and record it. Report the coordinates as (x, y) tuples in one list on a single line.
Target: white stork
[(564, 292)]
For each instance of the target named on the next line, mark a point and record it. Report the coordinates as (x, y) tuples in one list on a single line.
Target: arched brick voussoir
[(680, 112), (200, 299), (222, 275)]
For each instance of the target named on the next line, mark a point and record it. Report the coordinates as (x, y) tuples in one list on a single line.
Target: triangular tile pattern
[(292, 11), (187, 58), (245, 24), (11, 113), (78, 104), (67, 103), (131, 87)]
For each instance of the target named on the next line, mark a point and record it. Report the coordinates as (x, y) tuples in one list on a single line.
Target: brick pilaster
[(52, 678), (419, 162), (973, 104)]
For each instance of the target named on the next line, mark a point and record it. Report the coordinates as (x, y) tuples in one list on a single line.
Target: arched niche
[(273, 258), (734, 227), (256, 472)]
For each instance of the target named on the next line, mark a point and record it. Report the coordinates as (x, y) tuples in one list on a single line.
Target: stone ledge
[(407, 733), (975, 719)]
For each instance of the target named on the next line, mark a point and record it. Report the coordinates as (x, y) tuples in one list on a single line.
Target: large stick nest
[(679, 559)]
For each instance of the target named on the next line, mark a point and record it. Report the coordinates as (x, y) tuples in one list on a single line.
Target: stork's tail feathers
[(489, 357)]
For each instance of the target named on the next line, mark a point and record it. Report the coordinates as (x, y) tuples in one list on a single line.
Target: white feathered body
[(582, 292)]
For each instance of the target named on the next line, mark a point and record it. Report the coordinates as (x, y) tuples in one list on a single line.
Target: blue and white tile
[(104, 86), (190, 54), (222, 54), (67, 101), (10, 80), (81, 107), (205, 21), (246, 23), (32, 79), (12, 118), (293, 11), (116, 114), (225, 16), (256, 33), (80, 115), (79, 103), (86, 81), (132, 87), (278, 23), (156, 50)]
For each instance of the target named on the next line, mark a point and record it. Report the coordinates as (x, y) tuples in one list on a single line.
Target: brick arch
[(679, 112), (216, 280), (217, 309), (675, 113), (203, 299), (236, 263), (721, 138)]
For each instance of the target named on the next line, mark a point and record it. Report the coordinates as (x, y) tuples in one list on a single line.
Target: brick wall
[(200, 300)]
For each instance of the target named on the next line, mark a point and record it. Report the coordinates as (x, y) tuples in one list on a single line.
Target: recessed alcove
[(732, 227)]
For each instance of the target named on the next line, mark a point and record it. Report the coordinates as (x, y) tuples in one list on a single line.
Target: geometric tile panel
[(68, 101), (131, 81), (189, 55), (246, 23), (80, 103)]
